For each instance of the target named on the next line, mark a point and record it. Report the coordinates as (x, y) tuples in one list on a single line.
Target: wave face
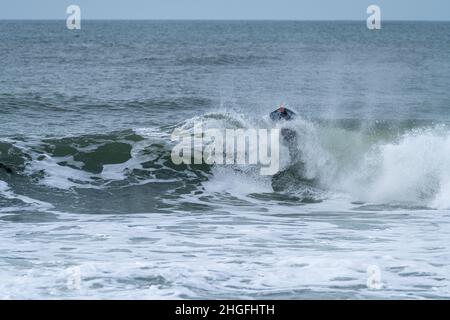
[(99, 168), (375, 163)]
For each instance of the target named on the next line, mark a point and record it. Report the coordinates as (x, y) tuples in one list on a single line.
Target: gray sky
[(227, 9)]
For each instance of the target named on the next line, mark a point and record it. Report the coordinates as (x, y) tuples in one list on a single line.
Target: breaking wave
[(383, 163)]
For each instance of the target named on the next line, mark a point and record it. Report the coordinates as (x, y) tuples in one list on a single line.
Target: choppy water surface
[(95, 208)]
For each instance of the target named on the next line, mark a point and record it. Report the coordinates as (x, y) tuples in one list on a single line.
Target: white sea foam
[(413, 169), (287, 251), (3, 186)]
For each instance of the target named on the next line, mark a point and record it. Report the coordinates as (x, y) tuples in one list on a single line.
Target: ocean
[(94, 207)]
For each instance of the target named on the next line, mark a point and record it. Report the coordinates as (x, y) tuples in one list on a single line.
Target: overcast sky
[(227, 9)]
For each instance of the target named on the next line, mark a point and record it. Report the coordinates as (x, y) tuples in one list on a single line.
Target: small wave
[(116, 159)]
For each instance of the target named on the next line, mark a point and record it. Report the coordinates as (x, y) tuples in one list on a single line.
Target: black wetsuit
[(286, 114)]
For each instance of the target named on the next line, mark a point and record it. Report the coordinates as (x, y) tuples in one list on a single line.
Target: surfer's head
[(282, 113)]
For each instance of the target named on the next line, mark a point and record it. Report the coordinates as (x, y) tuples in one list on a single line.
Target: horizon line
[(226, 19)]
